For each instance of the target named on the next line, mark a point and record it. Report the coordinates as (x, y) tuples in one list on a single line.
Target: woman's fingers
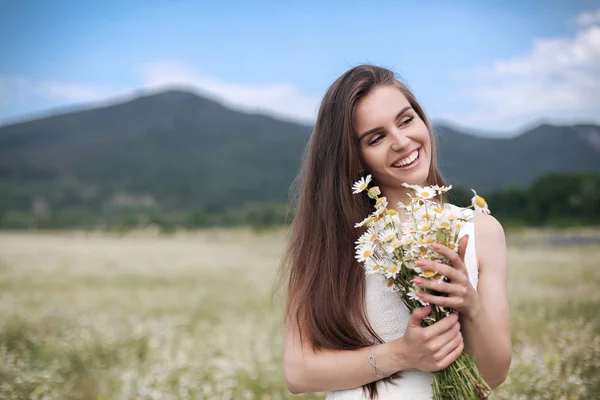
[(453, 355), (449, 345), (440, 327), (439, 286), (455, 259), (446, 337), (446, 270), (454, 302)]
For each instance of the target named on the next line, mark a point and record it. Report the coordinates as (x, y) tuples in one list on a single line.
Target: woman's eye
[(406, 121), (376, 139)]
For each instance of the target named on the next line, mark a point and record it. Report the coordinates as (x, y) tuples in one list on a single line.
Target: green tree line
[(554, 200)]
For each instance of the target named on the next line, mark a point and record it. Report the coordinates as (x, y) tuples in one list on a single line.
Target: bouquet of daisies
[(392, 249)]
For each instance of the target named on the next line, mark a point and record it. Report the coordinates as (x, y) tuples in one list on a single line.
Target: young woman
[(341, 324)]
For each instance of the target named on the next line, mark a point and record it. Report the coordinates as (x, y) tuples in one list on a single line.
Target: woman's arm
[(484, 314), (431, 349), (487, 327)]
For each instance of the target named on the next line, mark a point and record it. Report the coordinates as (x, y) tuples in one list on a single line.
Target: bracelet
[(376, 371)]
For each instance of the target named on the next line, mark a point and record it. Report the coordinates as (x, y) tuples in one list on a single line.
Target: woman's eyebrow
[(370, 131)]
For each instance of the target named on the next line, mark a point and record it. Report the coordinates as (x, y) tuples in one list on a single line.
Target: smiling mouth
[(408, 160)]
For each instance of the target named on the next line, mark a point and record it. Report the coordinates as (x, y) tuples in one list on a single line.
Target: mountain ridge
[(185, 150)]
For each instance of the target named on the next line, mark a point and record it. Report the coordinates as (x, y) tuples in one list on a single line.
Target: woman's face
[(393, 141)]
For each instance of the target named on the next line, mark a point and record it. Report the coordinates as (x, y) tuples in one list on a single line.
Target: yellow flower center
[(480, 201), (367, 253), (426, 216), (376, 267), (444, 224), (429, 274), (423, 251), (425, 228), (425, 194), (438, 209), (394, 269), (390, 283), (393, 212), (373, 237), (452, 246), (363, 186), (379, 201)]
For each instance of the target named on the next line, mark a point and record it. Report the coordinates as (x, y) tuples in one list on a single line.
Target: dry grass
[(190, 316)]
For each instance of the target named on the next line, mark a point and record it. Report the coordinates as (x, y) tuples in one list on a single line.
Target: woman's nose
[(399, 140)]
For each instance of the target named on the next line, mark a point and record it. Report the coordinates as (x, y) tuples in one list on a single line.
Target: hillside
[(491, 164), (177, 150)]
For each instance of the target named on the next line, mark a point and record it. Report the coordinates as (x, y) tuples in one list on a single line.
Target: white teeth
[(407, 160)]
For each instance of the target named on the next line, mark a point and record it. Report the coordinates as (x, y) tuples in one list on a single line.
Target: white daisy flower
[(392, 246), (367, 221), (361, 185), (425, 193), (416, 188), (392, 271), (412, 294), (479, 203), (407, 240), (424, 227), (441, 189), (363, 252), (427, 274), (437, 209), (444, 223), (373, 266), (381, 202), (374, 192), (391, 287), (387, 235), (368, 237)]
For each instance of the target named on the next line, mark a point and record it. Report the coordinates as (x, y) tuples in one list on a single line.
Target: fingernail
[(417, 281)]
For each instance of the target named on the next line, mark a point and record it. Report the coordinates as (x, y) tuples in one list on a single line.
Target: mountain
[(177, 150), (492, 163)]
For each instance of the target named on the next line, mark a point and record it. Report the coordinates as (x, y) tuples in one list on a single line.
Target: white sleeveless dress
[(389, 318)]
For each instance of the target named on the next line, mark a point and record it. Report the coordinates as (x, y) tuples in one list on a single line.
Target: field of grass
[(190, 316)]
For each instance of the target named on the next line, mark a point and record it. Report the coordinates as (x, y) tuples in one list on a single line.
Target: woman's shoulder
[(490, 240), (488, 227)]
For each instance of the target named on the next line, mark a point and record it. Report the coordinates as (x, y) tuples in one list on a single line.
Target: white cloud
[(73, 92), (278, 99), (284, 100), (588, 18), (558, 79)]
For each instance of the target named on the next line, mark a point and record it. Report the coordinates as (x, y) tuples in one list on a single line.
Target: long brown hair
[(325, 285)]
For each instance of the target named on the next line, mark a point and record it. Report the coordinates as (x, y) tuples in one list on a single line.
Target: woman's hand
[(432, 348), (462, 297)]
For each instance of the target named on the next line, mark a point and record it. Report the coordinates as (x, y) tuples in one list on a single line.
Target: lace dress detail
[(389, 318)]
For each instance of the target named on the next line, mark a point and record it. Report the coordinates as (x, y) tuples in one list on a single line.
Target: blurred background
[(147, 150)]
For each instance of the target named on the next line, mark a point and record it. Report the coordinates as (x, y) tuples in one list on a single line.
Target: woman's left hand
[(462, 297)]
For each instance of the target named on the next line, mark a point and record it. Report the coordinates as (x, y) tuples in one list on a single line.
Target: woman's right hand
[(432, 348)]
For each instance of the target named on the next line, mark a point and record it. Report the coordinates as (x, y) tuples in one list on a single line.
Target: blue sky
[(493, 66)]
